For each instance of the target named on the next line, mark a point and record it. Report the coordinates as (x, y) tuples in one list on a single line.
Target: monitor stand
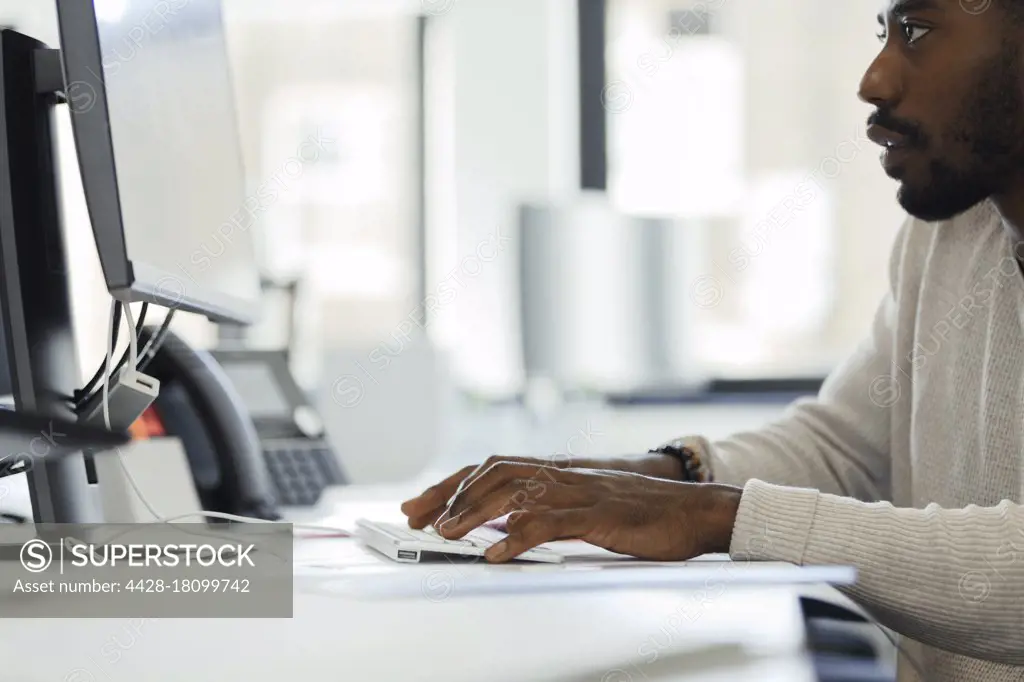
[(34, 299)]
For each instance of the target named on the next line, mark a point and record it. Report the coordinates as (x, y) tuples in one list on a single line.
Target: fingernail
[(450, 522), (496, 550)]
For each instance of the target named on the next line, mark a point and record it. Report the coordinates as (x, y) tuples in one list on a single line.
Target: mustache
[(908, 129)]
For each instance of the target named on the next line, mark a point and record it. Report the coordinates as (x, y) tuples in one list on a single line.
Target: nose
[(882, 85)]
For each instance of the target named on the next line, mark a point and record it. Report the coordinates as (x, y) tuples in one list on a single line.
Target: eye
[(880, 35), (914, 32)]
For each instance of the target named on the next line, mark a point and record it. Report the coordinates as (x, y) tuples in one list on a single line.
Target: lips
[(895, 147), (884, 137)]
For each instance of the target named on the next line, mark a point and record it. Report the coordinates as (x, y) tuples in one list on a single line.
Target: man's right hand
[(424, 509)]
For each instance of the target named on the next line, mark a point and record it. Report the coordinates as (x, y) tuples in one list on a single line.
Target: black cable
[(155, 341), (124, 358), (127, 351), (81, 395)]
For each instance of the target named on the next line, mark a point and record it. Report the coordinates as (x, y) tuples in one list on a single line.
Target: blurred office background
[(543, 225)]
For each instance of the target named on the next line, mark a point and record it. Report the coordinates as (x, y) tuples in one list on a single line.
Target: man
[(909, 464)]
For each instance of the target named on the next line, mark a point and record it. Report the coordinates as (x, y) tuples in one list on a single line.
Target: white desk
[(564, 638), (622, 636)]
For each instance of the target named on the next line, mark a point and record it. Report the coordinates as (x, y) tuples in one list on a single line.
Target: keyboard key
[(489, 534), (472, 541), (400, 533), (297, 474)]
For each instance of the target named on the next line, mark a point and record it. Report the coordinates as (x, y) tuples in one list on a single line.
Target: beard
[(989, 130)]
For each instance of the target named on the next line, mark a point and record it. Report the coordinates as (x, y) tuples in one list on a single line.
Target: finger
[(500, 523), (425, 508), (513, 519), (430, 503), (494, 459), (499, 474), (516, 495), (530, 529)]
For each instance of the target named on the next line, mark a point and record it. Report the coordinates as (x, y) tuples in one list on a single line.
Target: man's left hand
[(627, 513)]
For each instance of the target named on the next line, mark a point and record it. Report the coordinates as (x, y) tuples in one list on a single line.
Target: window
[(740, 119), (338, 86)]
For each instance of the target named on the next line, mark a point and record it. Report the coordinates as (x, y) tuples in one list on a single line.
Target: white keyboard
[(403, 544)]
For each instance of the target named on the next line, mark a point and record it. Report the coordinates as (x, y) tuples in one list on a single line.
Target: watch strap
[(692, 455)]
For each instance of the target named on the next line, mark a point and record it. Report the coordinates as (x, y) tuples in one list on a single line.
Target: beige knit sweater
[(909, 464)]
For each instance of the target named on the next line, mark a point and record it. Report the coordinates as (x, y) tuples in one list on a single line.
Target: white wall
[(868, 211), (806, 62), (781, 77), (357, 254)]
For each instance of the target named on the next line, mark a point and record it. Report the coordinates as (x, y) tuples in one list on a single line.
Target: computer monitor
[(149, 89), (154, 119)]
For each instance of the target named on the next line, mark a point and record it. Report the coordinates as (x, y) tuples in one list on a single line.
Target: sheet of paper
[(578, 551), (540, 578)]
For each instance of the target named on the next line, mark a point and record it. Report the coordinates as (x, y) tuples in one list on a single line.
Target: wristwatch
[(690, 453)]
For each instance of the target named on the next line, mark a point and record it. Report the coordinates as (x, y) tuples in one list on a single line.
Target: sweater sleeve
[(949, 578), (837, 442)]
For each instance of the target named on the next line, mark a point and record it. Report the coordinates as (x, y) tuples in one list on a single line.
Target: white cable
[(133, 339), (157, 516), (70, 542), (249, 519), (135, 486), (133, 348), (132, 363)]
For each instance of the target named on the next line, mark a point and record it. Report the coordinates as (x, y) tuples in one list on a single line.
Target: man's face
[(949, 103)]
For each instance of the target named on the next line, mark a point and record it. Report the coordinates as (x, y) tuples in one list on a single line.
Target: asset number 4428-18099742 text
[(187, 585)]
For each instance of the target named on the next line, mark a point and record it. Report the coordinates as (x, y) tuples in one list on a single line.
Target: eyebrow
[(903, 7)]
